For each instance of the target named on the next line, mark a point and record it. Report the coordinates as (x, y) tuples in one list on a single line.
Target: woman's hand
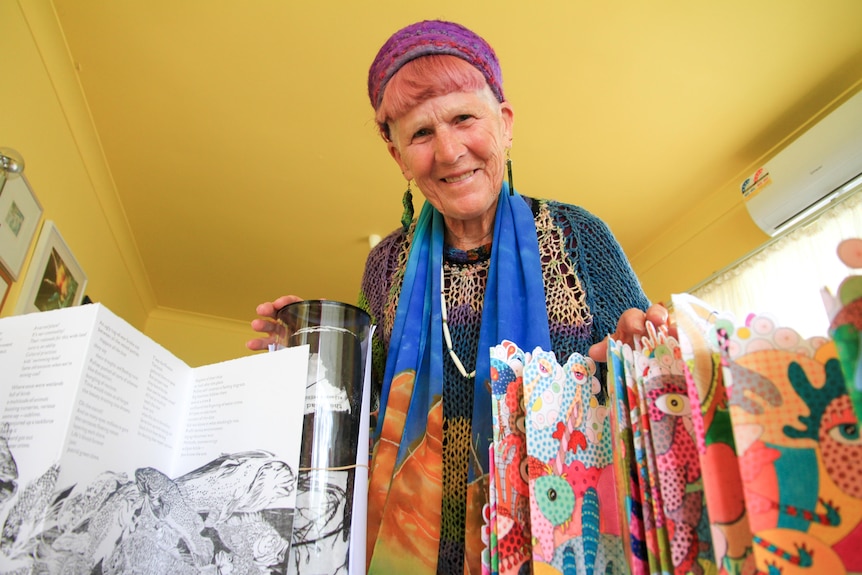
[(266, 324), (632, 325)]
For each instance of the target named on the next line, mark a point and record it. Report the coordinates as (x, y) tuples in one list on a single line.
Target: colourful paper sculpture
[(668, 472), (798, 444), (555, 495), (722, 483), (796, 441), (732, 450)]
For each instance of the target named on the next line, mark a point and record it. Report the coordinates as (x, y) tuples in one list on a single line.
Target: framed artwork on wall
[(20, 212), (5, 284), (54, 279)]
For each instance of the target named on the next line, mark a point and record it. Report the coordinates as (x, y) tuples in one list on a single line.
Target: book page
[(111, 501), (41, 361), (250, 403), (237, 465), (130, 405)]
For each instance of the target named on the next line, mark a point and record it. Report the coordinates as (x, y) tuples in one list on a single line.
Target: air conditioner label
[(753, 185)]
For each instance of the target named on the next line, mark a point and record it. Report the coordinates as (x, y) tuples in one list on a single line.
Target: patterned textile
[(588, 283)]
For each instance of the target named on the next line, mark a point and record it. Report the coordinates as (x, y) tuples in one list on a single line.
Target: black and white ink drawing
[(8, 468), (321, 533), (233, 515)]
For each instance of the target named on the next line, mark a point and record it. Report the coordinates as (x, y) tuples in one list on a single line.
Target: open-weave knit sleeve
[(378, 297), (610, 284)]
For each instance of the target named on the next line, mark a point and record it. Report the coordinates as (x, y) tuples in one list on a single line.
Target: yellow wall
[(45, 117), (198, 339), (714, 235)]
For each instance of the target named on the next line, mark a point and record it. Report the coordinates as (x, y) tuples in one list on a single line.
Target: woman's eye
[(463, 117), (421, 133)]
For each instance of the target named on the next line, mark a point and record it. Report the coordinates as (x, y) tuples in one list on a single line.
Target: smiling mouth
[(461, 178)]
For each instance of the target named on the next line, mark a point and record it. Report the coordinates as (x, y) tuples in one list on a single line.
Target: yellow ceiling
[(243, 149)]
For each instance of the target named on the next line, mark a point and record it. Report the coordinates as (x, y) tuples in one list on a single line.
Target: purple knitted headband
[(432, 37)]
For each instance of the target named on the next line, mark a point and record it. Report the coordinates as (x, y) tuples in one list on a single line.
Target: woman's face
[(454, 146)]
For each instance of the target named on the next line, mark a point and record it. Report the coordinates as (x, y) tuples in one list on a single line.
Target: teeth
[(458, 179)]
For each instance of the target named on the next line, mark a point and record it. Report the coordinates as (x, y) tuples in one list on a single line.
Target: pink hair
[(422, 79)]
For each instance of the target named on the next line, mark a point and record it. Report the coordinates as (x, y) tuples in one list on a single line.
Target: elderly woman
[(479, 265)]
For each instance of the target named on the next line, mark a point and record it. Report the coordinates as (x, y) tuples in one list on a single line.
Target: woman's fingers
[(270, 308), (274, 334), (266, 324), (599, 351), (259, 344), (658, 315), (632, 325)]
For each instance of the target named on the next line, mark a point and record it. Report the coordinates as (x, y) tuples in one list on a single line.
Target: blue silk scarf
[(406, 472)]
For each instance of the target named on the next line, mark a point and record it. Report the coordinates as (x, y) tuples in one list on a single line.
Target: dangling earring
[(407, 202), (509, 170)]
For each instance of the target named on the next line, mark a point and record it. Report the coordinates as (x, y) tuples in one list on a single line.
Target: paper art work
[(554, 497), (797, 446), (728, 446), (658, 453)]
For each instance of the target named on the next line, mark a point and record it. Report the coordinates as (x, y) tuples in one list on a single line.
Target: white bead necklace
[(446, 335)]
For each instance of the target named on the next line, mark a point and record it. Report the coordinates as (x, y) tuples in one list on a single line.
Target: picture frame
[(54, 278), (20, 213), (5, 284)]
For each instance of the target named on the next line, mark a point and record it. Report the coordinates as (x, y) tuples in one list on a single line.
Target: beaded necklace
[(446, 335)]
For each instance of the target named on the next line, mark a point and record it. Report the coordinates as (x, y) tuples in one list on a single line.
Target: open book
[(116, 457)]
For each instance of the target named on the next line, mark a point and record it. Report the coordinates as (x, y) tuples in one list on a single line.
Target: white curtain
[(785, 277)]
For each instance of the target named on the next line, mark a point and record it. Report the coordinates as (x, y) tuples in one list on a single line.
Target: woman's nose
[(449, 148)]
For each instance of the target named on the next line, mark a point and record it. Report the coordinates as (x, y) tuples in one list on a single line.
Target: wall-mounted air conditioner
[(812, 171)]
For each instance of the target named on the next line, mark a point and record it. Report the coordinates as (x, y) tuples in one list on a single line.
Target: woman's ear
[(396, 155), (508, 115)]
